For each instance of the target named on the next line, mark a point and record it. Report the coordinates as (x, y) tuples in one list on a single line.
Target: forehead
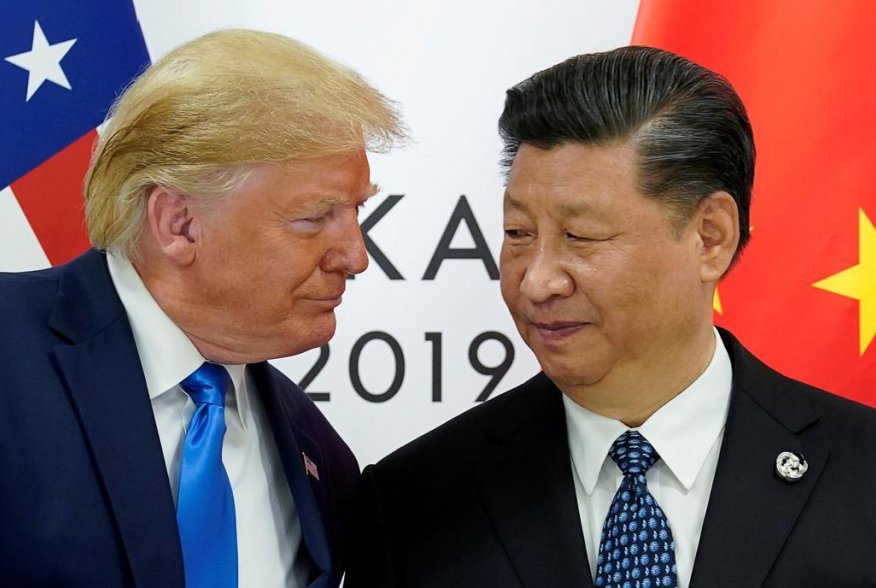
[(342, 178), (574, 176), (574, 163)]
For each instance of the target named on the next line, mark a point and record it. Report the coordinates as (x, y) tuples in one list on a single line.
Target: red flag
[(803, 297)]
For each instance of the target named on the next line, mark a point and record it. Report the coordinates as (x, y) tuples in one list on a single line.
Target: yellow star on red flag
[(859, 281)]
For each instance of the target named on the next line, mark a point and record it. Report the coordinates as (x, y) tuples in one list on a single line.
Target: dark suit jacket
[(84, 494), (488, 498)]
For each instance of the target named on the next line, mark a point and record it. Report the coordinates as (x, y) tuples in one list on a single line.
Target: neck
[(633, 395), (217, 353), (186, 311)]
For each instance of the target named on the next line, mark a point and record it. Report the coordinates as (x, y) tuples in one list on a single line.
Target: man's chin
[(570, 376), (314, 341)]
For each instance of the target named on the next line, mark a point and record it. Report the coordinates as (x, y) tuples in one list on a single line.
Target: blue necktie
[(205, 506), (636, 549)]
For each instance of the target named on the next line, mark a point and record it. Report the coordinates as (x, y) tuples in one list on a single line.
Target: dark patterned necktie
[(636, 549)]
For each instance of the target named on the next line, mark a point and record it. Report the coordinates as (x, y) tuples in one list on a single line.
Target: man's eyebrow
[(371, 191), (565, 209), (576, 209), (514, 203), (329, 202)]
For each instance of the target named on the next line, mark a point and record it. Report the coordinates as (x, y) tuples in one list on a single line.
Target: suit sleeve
[(370, 555)]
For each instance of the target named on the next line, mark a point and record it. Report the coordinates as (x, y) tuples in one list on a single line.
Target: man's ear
[(170, 224), (718, 226)]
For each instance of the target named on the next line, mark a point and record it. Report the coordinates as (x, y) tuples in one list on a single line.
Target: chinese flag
[(803, 296)]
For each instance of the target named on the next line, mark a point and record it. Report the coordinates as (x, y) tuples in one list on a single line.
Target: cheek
[(653, 293), (618, 293), (510, 275), (292, 262), (509, 294)]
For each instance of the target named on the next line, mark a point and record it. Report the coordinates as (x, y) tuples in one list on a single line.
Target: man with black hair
[(653, 449)]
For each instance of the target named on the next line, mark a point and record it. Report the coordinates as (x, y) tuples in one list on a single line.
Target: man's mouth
[(330, 299), (558, 330)]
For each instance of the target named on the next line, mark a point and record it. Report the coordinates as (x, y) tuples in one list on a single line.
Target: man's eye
[(576, 237), (309, 223), (515, 233)]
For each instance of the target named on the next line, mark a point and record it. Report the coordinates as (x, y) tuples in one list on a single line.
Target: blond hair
[(210, 109)]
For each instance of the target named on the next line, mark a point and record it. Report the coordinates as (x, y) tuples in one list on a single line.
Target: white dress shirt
[(269, 546), (686, 432)]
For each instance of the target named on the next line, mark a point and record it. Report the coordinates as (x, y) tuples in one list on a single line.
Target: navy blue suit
[(84, 494)]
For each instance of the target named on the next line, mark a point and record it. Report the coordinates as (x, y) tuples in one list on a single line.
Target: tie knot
[(633, 454), (207, 384)]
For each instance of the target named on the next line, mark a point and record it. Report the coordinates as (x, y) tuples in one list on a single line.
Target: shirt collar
[(167, 355), (701, 407)]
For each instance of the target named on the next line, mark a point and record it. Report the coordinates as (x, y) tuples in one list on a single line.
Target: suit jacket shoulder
[(309, 417), (486, 499), (73, 404), (815, 531), (461, 438)]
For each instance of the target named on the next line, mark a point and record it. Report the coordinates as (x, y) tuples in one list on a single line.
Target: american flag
[(62, 63), (310, 467)]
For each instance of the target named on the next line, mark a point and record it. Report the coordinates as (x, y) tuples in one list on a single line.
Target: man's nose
[(347, 253), (545, 277)]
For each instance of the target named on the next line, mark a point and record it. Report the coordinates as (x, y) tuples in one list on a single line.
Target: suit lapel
[(103, 376), (751, 510), (308, 493), (525, 480)]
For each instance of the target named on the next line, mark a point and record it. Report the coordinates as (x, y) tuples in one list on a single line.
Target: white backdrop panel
[(448, 65)]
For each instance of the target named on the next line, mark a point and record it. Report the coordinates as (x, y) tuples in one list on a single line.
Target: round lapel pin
[(791, 466)]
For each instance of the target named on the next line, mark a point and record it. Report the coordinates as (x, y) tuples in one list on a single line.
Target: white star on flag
[(43, 61)]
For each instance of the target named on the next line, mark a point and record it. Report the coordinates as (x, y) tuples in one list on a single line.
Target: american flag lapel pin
[(310, 467)]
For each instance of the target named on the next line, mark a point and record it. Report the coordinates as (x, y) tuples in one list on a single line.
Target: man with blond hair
[(146, 440)]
